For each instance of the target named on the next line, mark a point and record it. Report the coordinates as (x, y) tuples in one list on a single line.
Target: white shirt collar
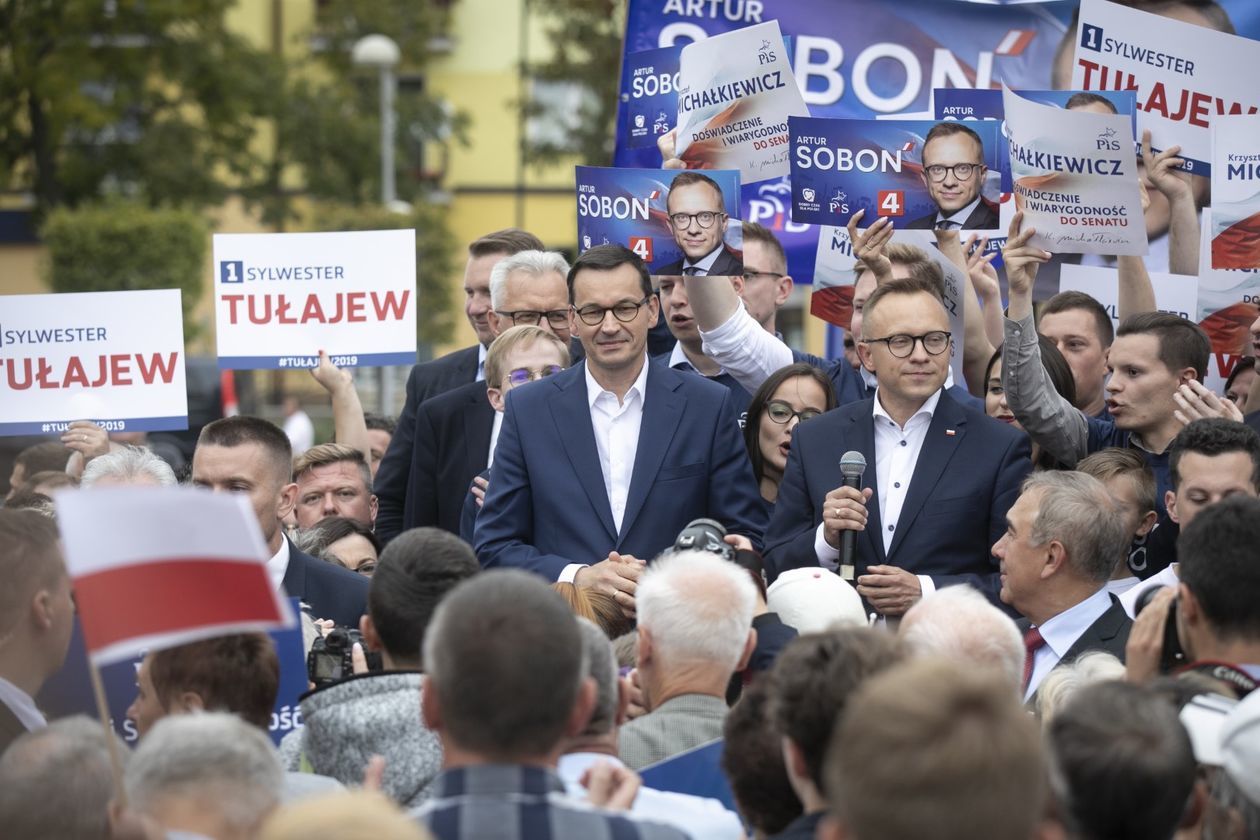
[(278, 565), (928, 408), (705, 264), (594, 390), (1062, 631), (22, 706), (959, 217)]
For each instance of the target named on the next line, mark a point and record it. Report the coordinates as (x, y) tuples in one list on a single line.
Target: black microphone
[(852, 465)]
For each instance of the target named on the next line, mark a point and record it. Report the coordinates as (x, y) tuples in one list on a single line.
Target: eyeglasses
[(522, 375), (625, 312), (531, 317), (781, 412), (705, 219), (962, 171), (902, 345), (750, 276)]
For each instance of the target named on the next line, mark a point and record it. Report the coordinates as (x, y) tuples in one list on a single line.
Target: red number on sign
[(891, 203), (642, 245)]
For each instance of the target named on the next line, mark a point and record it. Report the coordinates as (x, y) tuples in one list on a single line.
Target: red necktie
[(1032, 643)]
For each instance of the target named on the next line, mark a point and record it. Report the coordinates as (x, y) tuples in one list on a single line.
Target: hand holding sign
[(1022, 261), (869, 246)]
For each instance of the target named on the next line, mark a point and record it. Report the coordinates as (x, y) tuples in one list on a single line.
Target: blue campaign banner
[(69, 691), (649, 103), (842, 166), (628, 207), (697, 772)]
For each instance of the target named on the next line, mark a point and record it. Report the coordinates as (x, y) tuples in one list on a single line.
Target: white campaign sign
[(1174, 293), (1185, 75), (736, 92), (1236, 192), (1075, 178), (115, 358), (280, 298)]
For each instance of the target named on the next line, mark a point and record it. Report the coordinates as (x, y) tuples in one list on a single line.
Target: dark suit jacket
[(547, 506), (1109, 632), (10, 728), (982, 218), (726, 265), (955, 508), (331, 591), (451, 444)]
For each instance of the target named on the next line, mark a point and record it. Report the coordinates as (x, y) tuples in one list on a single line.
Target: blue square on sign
[(232, 271), (1092, 37)]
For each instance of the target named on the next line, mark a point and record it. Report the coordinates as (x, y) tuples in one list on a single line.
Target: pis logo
[(232, 271)]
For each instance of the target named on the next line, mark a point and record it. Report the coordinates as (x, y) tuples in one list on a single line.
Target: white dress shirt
[(494, 437), (1061, 632), (22, 706), (278, 565), (745, 349), (300, 431), (616, 424), (897, 451), (481, 363), (1166, 576)]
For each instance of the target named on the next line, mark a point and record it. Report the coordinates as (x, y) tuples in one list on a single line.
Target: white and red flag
[(160, 566)]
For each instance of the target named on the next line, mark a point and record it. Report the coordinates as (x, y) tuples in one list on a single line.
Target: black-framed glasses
[(901, 345), (625, 312), (962, 171), (750, 276), (705, 219), (532, 317), (520, 376), (782, 413)]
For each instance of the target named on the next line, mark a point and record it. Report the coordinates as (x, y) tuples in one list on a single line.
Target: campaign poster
[(736, 93), (1229, 303), (115, 358), (69, 690), (633, 207), (280, 298), (650, 102), (969, 105), (834, 277), (1074, 177), (886, 169), (955, 281), (1176, 294), (1236, 192), (1184, 75)]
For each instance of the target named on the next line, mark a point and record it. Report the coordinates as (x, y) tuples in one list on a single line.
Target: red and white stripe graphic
[(155, 567), (1015, 41)]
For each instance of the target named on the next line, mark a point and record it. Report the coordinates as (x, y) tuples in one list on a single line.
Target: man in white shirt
[(36, 617), (1063, 536)]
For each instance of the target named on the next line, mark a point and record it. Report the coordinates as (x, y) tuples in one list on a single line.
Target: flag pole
[(115, 758)]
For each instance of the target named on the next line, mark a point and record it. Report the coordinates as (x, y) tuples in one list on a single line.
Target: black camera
[(705, 535), (330, 659), (1172, 655)]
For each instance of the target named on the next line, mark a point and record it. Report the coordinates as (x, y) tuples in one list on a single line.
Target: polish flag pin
[(949, 433)]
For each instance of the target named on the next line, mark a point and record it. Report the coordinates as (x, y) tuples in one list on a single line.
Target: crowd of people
[(632, 566)]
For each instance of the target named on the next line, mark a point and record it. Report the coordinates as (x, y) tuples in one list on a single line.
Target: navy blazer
[(967, 477), (451, 447), (331, 591), (547, 506), (726, 265)]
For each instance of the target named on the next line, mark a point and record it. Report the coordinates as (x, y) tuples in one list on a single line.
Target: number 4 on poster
[(642, 245), (891, 203)]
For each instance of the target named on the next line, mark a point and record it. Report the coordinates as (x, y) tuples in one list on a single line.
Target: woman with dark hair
[(342, 542), (789, 396), (995, 395)]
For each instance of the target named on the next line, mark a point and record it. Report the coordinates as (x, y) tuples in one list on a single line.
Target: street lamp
[(381, 52)]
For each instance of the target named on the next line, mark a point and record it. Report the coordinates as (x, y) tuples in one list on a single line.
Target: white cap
[(813, 600), (1240, 746)]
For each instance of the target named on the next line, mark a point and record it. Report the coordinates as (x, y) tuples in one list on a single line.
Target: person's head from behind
[(905, 343), (697, 214), (1057, 369), (347, 815), (1130, 481), (342, 541), (333, 480), (1067, 679), (597, 607), (695, 615), (752, 759), (415, 572), (239, 673), (953, 166), (611, 692), (380, 430), (810, 684), (505, 677), (128, 465), (1220, 580), (528, 288), (789, 396), (1064, 536), (208, 773), (1082, 331), (251, 456), (1154, 353), (521, 355), (610, 291), (50, 481), (483, 255), (36, 605), (1124, 762), (960, 625), (56, 782), (908, 261), (767, 285), (39, 457), (1210, 460)]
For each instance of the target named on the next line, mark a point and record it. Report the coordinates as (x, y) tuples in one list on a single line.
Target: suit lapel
[(294, 582), (478, 427), (571, 413), (662, 409), (1098, 635), (863, 437), (938, 447)]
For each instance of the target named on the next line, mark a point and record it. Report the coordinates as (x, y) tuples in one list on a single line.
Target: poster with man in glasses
[(922, 175), (681, 223)]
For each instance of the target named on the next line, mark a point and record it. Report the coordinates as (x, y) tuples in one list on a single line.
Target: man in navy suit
[(598, 468), (697, 214), (251, 456), (940, 476)]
